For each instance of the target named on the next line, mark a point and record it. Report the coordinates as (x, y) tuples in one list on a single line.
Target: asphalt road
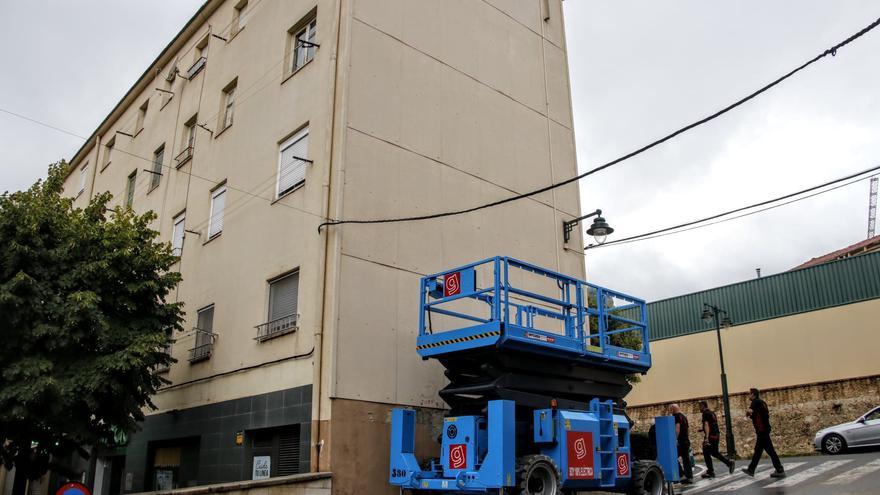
[(848, 474)]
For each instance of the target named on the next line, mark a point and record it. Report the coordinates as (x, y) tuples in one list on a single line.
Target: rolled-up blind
[(292, 169), (283, 295)]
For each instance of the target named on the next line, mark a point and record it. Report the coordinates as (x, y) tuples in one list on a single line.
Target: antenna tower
[(872, 207)]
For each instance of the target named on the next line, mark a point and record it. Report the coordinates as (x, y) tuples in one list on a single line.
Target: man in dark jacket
[(684, 444), (711, 439), (760, 416)]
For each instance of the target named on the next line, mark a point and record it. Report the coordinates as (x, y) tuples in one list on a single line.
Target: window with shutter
[(281, 444), (177, 235), (292, 162), (283, 295), (83, 173), (205, 321), (218, 204)]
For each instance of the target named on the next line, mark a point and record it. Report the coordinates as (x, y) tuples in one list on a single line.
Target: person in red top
[(760, 415)]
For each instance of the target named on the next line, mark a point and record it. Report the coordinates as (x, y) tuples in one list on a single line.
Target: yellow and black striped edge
[(495, 333)]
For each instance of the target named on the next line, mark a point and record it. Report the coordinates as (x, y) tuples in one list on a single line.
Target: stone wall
[(296, 484), (796, 413)]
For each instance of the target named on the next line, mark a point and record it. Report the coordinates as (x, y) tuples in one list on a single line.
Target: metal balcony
[(204, 346), (184, 156), (196, 67), (276, 328)]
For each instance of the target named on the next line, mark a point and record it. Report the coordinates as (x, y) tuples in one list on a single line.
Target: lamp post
[(709, 312), (599, 229)]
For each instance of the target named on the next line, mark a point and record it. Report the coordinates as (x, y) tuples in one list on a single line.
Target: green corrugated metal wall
[(822, 286)]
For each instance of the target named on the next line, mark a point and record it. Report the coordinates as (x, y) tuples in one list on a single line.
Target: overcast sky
[(639, 70)]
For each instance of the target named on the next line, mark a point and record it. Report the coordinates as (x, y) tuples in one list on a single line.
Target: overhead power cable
[(172, 169), (669, 230), (830, 51)]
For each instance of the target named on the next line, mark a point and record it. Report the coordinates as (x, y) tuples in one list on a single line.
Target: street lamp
[(599, 228), (714, 312)]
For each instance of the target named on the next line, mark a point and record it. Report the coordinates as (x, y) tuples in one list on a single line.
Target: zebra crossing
[(830, 475)]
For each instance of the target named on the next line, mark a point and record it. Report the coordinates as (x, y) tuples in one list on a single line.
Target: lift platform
[(537, 363), (507, 329)]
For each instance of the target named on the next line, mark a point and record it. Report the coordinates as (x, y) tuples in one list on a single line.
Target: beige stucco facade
[(411, 108), (832, 344)]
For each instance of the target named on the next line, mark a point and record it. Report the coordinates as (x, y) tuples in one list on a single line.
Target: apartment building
[(262, 119)]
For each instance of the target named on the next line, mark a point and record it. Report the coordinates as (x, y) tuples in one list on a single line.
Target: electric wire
[(830, 51), (702, 222), (171, 168), (745, 214)]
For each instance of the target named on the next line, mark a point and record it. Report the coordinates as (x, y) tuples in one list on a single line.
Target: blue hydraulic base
[(590, 450)]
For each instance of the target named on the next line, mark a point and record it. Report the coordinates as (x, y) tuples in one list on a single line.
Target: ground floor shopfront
[(249, 438)]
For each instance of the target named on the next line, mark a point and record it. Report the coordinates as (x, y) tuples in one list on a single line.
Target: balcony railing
[(204, 346), (196, 67), (276, 328), (184, 156)]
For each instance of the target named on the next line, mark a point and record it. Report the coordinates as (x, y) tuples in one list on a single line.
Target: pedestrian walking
[(711, 440), (684, 444), (760, 416)]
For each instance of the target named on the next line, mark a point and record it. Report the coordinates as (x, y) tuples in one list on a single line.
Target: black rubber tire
[(833, 444), (534, 471), (647, 479)]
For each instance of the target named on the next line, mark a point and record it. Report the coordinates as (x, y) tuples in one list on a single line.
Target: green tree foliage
[(627, 340), (84, 322)]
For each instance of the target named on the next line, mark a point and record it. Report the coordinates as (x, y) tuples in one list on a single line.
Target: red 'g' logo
[(452, 284), (458, 456), (622, 465)]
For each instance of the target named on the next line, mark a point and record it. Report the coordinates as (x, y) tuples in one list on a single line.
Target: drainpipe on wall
[(317, 387)]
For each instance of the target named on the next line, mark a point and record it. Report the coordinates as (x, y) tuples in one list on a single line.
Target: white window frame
[(211, 225), (292, 140), (229, 104), (178, 237), (82, 178), (309, 33)]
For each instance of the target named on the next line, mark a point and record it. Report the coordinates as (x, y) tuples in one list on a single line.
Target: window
[(228, 104), (275, 451), (108, 151), (303, 44), (240, 16), (156, 175), (189, 140), (178, 234), (202, 48), (166, 92), (292, 161), (129, 189), (283, 300), (142, 115), (201, 54), (83, 173), (204, 342), (218, 203)]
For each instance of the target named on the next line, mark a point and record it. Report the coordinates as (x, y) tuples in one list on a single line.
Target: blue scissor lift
[(537, 364)]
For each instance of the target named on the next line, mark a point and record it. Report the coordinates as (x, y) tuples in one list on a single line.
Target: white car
[(863, 432)]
